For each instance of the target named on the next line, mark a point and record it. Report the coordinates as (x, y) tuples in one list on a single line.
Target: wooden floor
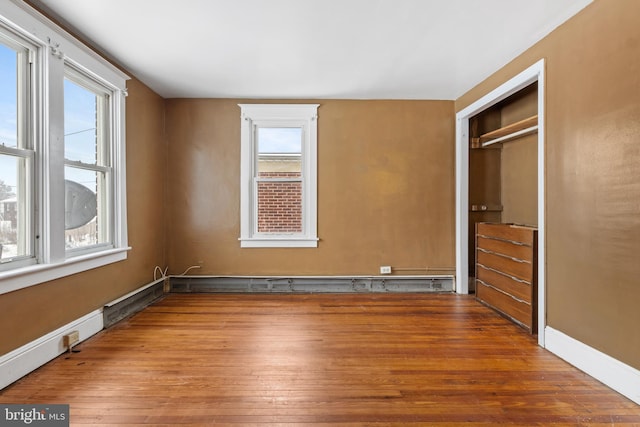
[(343, 359)]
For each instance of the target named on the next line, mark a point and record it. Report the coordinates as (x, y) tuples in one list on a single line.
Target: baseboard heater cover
[(132, 303), (304, 284)]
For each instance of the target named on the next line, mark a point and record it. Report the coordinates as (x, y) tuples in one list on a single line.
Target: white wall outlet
[(385, 269)]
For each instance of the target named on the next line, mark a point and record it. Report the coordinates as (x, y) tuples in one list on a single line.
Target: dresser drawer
[(519, 290), (520, 269), (505, 247), (518, 311), (510, 232)]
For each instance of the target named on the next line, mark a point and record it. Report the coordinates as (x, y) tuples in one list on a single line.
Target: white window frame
[(54, 51), (253, 116)]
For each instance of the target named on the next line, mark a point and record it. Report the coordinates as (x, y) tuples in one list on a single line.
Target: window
[(278, 175), (62, 164), (16, 153), (86, 163), (278, 180)]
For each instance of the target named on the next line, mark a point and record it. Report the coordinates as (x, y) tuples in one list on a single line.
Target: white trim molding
[(619, 376), (31, 356)]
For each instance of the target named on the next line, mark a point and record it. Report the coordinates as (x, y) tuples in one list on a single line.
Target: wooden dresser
[(506, 271)]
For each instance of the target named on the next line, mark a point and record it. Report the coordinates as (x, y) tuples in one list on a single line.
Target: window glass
[(8, 165), (280, 206), (14, 225), (8, 97), (279, 140), (279, 188), (80, 123), (84, 226), (86, 210), (15, 159)]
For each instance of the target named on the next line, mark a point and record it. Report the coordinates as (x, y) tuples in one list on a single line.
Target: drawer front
[(504, 247), (518, 311), (506, 284), (520, 269), (507, 232)]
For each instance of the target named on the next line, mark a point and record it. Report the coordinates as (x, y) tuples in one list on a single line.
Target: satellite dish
[(80, 205)]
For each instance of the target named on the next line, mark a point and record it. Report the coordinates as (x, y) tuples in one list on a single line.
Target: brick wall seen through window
[(280, 205)]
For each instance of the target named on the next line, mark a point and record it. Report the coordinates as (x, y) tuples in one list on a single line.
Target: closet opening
[(500, 200)]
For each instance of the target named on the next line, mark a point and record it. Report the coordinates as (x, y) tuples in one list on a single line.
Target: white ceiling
[(354, 49)]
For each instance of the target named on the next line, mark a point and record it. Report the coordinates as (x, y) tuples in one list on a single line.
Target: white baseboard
[(21, 361), (621, 377)]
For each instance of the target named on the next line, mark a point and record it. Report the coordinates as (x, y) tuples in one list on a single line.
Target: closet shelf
[(506, 133)]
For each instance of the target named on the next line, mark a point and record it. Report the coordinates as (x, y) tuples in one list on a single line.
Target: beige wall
[(519, 160), (29, 313), (592, 174), (385, 189), (519, 181)]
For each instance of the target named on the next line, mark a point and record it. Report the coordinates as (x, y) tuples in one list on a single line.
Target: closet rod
[(513, 135)]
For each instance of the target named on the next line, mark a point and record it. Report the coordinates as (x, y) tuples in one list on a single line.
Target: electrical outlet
[(71, 339), (385, 269)]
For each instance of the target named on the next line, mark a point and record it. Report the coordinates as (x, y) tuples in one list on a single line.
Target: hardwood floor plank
[(319, 360)]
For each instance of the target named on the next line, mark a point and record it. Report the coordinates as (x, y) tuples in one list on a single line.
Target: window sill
[(24, 277), (279, 243)]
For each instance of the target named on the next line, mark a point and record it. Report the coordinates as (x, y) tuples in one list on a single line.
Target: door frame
[(535, 73)]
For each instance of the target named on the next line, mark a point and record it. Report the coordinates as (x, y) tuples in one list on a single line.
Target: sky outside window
[(8, 111), (279, 150), (8, 96), (280, 140), (80, 113)]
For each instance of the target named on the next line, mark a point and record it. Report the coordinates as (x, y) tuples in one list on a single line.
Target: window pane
[(279, 140), (279, 206), (279, 152), (85, 223), (85, 124), (81, 141), (15, 234), (8, 97)]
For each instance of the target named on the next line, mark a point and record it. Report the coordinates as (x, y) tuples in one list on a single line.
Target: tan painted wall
[(592, 174), (519, 160), (29, 313), (385, 189), (519, 177)]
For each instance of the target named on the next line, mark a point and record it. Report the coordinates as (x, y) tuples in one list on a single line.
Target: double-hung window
[(17, 155), (278, 175), (62, 153), (87, 170)]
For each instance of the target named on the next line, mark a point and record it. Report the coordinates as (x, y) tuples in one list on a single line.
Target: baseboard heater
[(306, 284), (133, 302)]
